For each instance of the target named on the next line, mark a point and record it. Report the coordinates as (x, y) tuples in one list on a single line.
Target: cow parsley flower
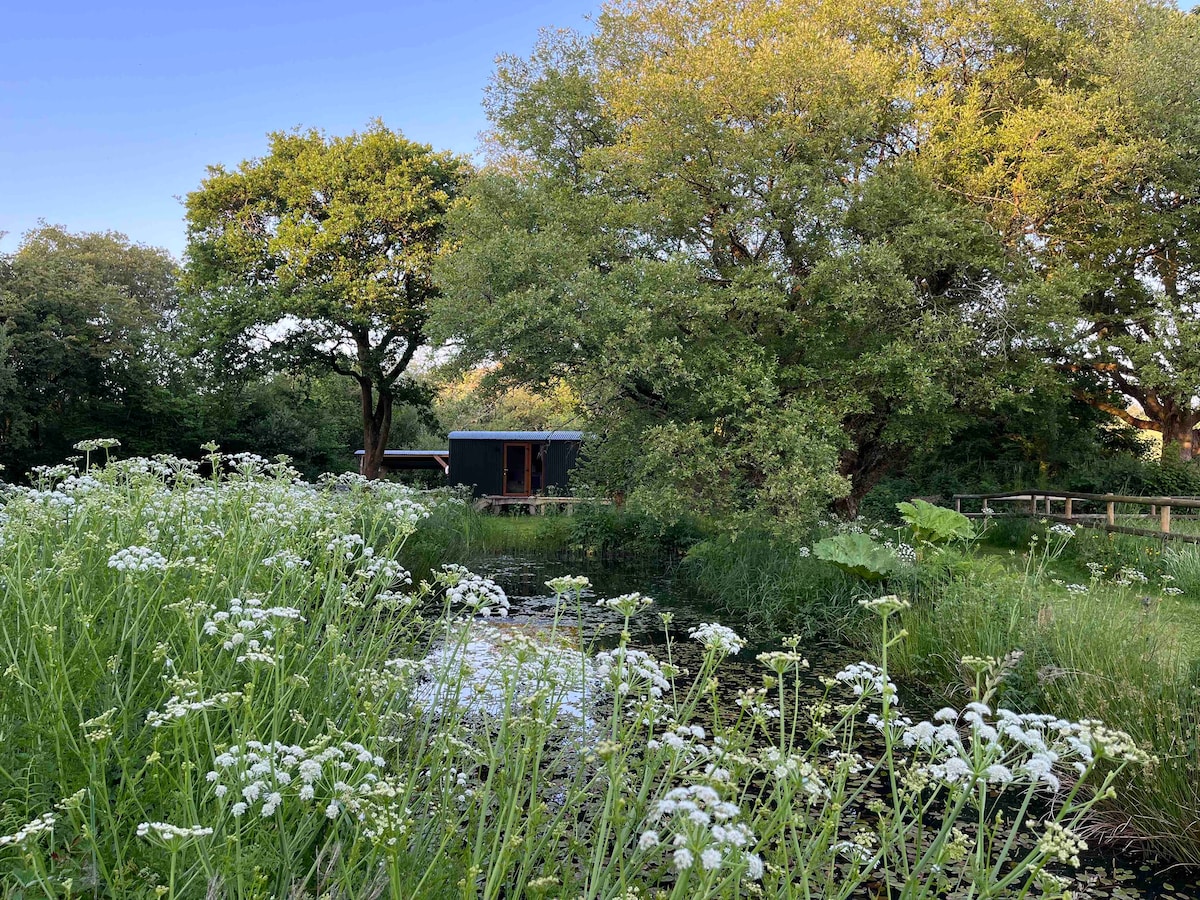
[(866, 680), (137, 559), (718, 638), (1061, 844), (171, 835), (40, 825), (626, 604), (568, 584), (477, 594)]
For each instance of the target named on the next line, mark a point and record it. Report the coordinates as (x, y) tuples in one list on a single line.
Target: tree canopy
[(317, 256), (779, 246), (1076, 126), (85, 344)]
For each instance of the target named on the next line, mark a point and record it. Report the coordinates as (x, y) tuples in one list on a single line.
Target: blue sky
[(110, 111)]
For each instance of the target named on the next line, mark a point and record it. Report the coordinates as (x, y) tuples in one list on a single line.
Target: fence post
[(1112, 513), (1068, 509), (1033, 504), (1166, 520), (1047, 504), (958, 504)]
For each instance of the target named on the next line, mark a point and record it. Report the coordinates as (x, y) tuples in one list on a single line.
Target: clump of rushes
[(239, 662)]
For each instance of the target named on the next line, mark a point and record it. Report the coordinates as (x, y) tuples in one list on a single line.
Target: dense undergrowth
[(231, 686), (1090, 623), (775, 587), (1095, 625)]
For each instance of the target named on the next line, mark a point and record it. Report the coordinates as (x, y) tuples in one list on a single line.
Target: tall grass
[(1182, 564), (456, 531), (774, 587), (1118, 652), (229, 686)]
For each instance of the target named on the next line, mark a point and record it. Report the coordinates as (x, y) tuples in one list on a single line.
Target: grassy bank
[(1096, 625), (456, 531), (1108, 642), (775, 587)]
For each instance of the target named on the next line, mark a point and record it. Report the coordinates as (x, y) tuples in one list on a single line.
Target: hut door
[(517, 460)]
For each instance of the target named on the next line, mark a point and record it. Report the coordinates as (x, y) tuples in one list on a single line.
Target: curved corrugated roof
[(516, 435)]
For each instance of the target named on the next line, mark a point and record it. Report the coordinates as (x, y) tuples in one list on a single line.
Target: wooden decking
[(532, 505)]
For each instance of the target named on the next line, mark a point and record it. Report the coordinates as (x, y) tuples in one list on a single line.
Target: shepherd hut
[(500, 463)]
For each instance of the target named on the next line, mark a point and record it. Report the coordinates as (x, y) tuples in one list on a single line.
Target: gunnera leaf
[(935, 524), (858, 555)]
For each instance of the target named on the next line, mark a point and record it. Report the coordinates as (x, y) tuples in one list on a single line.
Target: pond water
[(523, 578)]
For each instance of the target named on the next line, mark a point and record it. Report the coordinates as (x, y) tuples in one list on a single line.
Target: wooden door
[(517, 465)]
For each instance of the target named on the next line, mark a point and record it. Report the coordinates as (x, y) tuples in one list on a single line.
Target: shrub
[(610, 530)]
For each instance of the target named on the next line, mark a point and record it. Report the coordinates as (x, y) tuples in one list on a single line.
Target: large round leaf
[(858, 555), (935, 524)]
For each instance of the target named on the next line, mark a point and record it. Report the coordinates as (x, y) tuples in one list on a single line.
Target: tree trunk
[(865, 465), (1179, 431), (377, 427)]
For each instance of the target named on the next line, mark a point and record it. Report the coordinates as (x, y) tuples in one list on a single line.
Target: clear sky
[(110, 111)]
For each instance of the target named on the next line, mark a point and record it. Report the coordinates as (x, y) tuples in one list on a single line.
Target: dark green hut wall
[(560, 460), (480, 463)]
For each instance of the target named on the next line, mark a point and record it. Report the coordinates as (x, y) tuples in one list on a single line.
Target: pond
[(523, 578)]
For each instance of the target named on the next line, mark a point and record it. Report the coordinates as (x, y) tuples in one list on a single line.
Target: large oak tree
[(1076, 127), (754, 235), (702, 217), (318, 256)]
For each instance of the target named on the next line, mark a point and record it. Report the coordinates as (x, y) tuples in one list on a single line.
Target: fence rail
[(1039, 504)]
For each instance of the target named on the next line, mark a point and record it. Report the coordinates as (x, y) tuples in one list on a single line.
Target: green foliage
[(1077, 136), (336, 729), (935, 524), (858, 555), (479, 399), (317, 257), (91, 344), (1182, 565), (87, 347), (1119, 651), (315, 421), (754, 352), (455, 531), (608, 530), (667, 229)]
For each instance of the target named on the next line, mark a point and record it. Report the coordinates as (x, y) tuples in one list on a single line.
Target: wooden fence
[(1039, 504)]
